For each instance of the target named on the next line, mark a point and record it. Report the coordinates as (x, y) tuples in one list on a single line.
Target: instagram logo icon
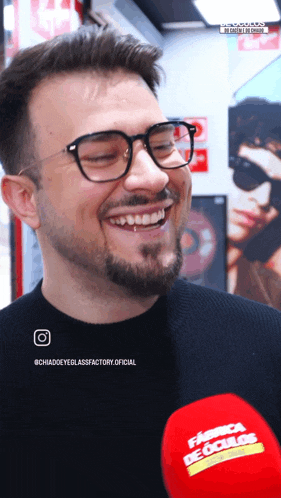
[(42, 337)]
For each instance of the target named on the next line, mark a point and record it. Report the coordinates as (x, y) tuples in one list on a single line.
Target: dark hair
[(88, 48), (256, 122)]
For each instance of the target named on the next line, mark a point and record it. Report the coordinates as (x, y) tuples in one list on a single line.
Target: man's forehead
[(69, 105), (88, 85)]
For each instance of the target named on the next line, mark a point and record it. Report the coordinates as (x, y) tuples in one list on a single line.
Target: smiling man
[(110, 343), (98, 233)]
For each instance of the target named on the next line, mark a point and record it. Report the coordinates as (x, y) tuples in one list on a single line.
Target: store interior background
[(205, 75)]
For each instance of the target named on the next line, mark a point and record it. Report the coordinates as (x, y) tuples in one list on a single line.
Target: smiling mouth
[(141, 222)]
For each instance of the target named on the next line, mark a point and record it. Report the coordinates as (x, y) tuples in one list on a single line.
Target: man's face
[(81, 221), (250, 211)]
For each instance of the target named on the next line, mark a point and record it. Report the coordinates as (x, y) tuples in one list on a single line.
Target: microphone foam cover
[(220, 446)]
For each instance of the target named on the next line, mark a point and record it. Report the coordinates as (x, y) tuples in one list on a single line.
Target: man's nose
[(144, 174), (261, 195)]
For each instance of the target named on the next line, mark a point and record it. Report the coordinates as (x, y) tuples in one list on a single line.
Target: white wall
[(196, 66), (203, 71), (243, 66), (127, 17)]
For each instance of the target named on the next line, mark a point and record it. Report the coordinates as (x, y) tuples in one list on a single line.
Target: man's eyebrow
[(163, 124), (105, 135)]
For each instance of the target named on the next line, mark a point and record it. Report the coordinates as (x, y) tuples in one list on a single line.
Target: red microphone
[(220, 446)]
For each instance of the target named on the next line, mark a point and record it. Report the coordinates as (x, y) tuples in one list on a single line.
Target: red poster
[(201, 128), (199, 161), (260, 41), (50, 17)]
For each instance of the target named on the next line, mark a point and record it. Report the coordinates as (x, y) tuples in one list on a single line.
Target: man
[(96, 358), (255, 202)]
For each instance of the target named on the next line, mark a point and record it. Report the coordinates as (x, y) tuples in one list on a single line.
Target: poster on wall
[(200, 162), (203, 242), (260, 41), (254, 226)]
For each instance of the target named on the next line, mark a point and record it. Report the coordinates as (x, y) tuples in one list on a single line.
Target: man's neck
[(92, 301)]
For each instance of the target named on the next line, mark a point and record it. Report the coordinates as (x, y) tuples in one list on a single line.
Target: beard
[(88, 261), (152, 280)]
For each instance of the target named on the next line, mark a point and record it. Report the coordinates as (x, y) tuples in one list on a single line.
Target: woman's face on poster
[(250, 212)]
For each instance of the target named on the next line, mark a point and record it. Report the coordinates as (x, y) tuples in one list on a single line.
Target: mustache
[(140, 200)]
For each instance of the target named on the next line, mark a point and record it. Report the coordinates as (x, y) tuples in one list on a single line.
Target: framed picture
[(204, 242)]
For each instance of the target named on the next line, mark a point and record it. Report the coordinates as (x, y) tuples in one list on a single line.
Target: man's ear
[(18, 193)]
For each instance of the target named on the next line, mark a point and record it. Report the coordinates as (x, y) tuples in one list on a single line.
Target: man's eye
[(106, 157), (100, 160), (163, 147)]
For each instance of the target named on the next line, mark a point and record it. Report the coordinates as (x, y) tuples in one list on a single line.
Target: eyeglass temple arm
[(25, 169), (42, 160)]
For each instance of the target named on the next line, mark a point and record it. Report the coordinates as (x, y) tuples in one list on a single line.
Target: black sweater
[(93, 429)]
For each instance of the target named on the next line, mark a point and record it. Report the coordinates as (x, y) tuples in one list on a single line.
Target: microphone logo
[(209, 453)]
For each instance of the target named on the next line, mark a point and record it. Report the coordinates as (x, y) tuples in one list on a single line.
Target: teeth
[(145, 219), (154, 218), (130, 219), (122, 220)]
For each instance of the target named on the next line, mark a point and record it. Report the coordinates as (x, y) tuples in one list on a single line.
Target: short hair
[(89, 48), (257, 123)]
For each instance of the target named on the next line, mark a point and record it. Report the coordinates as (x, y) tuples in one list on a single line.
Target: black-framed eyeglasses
[(106, 156), (248, 176)]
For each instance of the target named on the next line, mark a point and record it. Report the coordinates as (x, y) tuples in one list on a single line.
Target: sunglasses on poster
[(248, 176)]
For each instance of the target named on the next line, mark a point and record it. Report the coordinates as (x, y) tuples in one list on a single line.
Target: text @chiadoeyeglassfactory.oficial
[(85, 362)]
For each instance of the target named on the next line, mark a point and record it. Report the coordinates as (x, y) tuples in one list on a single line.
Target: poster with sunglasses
[(254, 218), (203, 242)]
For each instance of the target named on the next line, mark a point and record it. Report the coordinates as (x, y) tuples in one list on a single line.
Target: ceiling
[(167, 11)]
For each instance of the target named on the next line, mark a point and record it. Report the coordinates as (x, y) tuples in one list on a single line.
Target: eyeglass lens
[(105, 156), (167, 144)]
